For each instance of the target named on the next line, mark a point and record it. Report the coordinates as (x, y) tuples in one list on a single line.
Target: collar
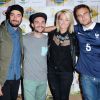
[(11, 29), (90, 27)]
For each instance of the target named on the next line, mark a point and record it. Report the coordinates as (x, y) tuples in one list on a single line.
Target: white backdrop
[(50, 7)]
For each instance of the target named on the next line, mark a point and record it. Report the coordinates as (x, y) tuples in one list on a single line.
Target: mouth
[(15, 21), (40, 27)]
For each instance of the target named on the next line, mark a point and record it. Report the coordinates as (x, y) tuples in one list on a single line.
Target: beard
[(14, 23), (38, 31)]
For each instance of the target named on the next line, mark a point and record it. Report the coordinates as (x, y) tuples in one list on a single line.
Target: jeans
[(34, 90), (90, 87), (10, 90), (60, 84)]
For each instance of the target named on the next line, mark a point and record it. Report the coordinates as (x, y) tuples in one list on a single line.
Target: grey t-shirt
[(35, 57)]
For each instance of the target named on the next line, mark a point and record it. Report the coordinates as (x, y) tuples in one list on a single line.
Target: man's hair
[(14, 7), (35, 15), (79, 7)]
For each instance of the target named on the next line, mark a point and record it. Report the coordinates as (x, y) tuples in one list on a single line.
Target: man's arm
[(1, 94)]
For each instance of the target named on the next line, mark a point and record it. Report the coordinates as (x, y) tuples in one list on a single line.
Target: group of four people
[(51, 57)]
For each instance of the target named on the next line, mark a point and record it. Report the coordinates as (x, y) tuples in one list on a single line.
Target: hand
[(1, 94)]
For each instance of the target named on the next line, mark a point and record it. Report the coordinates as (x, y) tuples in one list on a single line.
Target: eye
[(67, 20), (43, 22), (19, 15), (11, 14)]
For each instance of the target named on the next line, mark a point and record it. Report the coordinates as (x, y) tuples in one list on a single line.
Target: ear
[(32, 25), (90, 14), (91, 11)]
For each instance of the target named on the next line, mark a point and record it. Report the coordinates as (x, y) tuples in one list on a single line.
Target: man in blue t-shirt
[(88, 34)]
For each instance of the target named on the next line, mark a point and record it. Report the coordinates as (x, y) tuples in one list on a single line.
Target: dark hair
[(35, 15), (79, 7), (39, 14), (14, 7)]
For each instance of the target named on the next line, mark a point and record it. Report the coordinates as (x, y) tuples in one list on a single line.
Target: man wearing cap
[(10, 53), (35, 59)]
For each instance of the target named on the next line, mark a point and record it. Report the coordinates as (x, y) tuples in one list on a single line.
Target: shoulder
[(26, 36), (97, 25), (0, 29), (26, 39), (20, 30), (3, 29), (73, 35), (45, 36), (51, 34), (77, 27)]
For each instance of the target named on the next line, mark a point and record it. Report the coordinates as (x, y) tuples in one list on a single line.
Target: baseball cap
[(35, 15)]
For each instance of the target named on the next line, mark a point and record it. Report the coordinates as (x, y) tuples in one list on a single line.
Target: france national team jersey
[(89, 43)]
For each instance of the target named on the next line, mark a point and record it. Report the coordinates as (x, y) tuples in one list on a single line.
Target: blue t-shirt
[(89, 43)]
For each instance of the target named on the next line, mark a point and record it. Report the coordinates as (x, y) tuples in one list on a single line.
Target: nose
[(40, 24), (15, 17), (81, 16), (62, 21)]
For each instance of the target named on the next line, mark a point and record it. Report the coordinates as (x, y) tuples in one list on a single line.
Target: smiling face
[(63, 22), (39, 24), (15, 18), (84, 17)]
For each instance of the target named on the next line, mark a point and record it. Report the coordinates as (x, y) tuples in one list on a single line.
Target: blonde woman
[(61, 55)]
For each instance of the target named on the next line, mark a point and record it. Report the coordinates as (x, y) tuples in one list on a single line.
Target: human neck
[(88, 25), (37, 34), (63, 31), (15, 28)]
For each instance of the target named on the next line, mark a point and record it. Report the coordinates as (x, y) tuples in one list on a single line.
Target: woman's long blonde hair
[(71, 18)]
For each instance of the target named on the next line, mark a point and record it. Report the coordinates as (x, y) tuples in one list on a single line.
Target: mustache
[(15, 21), (40, 26)]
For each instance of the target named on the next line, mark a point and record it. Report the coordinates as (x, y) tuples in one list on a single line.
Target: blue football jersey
[(89, 44)]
